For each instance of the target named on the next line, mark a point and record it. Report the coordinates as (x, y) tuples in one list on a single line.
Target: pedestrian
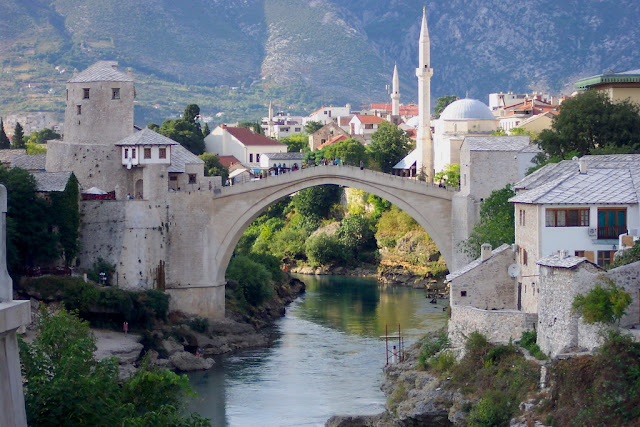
[(361, 165), (125, 327)]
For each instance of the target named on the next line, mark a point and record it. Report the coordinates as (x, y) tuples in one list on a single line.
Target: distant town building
[(617, 86), (241, 143)]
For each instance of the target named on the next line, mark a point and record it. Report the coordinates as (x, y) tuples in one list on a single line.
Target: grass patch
[(431, 346), (528, 340)]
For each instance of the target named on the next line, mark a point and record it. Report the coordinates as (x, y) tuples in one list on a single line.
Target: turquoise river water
[(327, 356)]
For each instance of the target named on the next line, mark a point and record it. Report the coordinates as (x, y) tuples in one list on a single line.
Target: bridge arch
[(240, 205)]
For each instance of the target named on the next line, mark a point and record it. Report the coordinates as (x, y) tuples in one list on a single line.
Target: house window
[(463, 293), (133, 153), (257, 157), (368, 126), (162, 153), (605, 258), (192, 178), (115, 93), (567, 217), (579, 253), (524, 257), (522, 217), (126, 153), (297, 129), (147, 153), (85, 93), (611, 223), (79, 109), (173, 178), (67, 94), (251, 158)]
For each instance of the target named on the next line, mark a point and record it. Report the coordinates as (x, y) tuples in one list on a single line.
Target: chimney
[(485, 252), (582, 164), (223, 126)]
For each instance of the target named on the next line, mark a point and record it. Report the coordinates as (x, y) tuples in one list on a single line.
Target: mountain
[(233, 56)]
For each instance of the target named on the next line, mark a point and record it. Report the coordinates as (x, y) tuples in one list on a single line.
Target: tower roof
[(467, 109), (101, 71)]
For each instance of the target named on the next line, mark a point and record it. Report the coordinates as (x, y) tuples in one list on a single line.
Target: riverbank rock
[(126, 348), (380, 420), (185, 361)]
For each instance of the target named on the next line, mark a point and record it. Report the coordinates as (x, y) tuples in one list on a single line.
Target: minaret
[(424, 144), (395, 93), (270, 121)]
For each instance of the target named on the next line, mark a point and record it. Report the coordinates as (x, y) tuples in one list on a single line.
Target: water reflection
[(326, 360)]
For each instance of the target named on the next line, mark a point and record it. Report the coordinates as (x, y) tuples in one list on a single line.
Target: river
[(327, 357)]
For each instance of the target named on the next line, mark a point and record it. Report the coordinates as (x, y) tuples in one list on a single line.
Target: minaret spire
[(424, 143), (395, 93), (270, 120)]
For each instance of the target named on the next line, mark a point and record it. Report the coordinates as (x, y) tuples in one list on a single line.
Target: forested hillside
[(233, 56)]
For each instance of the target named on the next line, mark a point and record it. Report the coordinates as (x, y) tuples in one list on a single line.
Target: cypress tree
[(18, 136), (4, 139)]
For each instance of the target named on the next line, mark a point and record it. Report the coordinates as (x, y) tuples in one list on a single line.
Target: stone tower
[(99, 113), (424, 143), (99, 105), (395, 93)]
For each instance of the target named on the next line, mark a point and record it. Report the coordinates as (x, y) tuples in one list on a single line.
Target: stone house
[(324, 134), (241, 143)]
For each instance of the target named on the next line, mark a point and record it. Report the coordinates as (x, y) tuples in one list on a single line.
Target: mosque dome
[(467, 109)]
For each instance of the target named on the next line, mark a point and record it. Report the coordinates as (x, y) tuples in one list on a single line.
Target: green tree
[(30, 236), (312, 126), (296, 143), (496, 225), (205, 130), (441, 104), (191, 112), (350, 151), (389, 145), (323, 249), (18, 137), (590, 122), (253, 279), (255, 127), (450, 175), (213, 167), (65, 384), (186, 133), (317, 201), (357, 234), (4, 139), (602, 304), (66, 214), (43, 135), (36, 148)]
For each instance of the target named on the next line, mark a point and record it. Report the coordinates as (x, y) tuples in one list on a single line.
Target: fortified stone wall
[(497, 326), (94, 165), (131, 234), (527, 236)]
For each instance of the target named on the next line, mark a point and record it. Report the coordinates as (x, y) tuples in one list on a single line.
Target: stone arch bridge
[(200, 244)]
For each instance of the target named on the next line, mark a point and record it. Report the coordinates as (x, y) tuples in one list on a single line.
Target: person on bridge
[(361, 165)]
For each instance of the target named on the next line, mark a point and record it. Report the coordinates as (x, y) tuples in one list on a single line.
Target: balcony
[(611, 231)]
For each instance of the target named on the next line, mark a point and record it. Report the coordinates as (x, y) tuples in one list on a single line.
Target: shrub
[(602, 304), (324, 250), (494, 409), (101, 266), (528, 340), (430, 346), (254, 280), (443, 362), (199, 324), (628, 256)]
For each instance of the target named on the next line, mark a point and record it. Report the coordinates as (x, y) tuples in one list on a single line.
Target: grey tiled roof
[(559, 261), (51, 181), (146, 137), (180, 157), (499, 143), (7, 156), (608, 180), (101, 71), (285, 156), (34, 162), (475, 263)]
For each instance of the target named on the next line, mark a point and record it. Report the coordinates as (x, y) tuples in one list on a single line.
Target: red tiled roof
[(227, 161), (246, 137), (344, 120), (369, 119), (409, 110), (333, 141), (386, 107)]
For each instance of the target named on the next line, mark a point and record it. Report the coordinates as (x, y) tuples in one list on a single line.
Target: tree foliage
[(323, 249), (496, 225), (253, 279), (590, 121), (296, 143), (449, 176), (43, 135), (317, 201), (350, 151), (64, 383), (255, 127), (602, 304), (185, 130), (442, 103), (357, 234), (213, 167), (4, 139), (389, 145), (66, 214), (18, 137), (312, 126)]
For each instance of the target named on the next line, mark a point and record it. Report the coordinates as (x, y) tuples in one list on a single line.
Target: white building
[(329, 114), (241, 143), (579, 207), (281, 125), (285, 160), (364, 126)]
